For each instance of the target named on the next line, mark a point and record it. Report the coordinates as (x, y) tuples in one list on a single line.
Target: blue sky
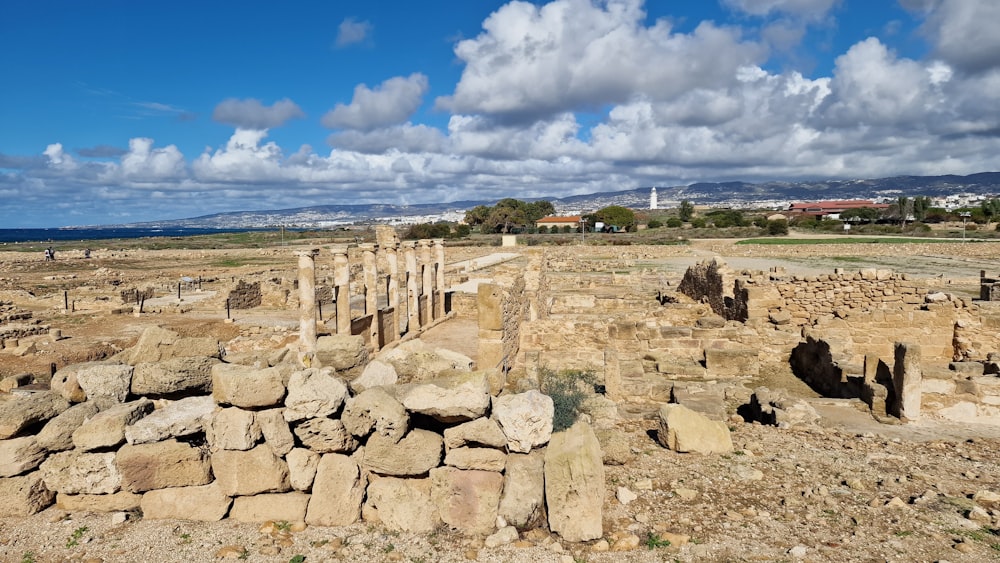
[(116, 112)]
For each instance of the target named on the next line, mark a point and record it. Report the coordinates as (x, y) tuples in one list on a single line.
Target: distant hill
[(739, 194)]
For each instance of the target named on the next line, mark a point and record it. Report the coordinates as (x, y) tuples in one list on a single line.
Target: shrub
[(654, 224), (675, 223), (568, 390), (777, 227), (698, 223)]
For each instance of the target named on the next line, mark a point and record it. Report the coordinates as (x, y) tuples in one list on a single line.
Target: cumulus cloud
[(406, 138), (537, 61), (964, 33), (351, 31), (250, 113), (390, 103), (811, 9), (101, 151)]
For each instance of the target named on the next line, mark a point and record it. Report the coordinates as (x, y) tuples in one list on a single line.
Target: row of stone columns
[(425, 301)]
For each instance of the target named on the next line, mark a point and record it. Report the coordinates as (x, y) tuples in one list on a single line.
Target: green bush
[(777, 227), (675, 223), (698, 222), (568, 389), (654, 224)]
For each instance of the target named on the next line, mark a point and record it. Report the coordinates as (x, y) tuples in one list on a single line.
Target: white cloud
[(390, 103), (965, 33), (252, 114), (351, 31), (406, 138), (811, 9), (143, 163)]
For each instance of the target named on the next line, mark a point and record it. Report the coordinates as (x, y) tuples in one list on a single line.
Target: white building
[(652, 198)]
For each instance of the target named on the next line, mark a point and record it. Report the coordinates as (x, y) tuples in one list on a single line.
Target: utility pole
[(965, 217)]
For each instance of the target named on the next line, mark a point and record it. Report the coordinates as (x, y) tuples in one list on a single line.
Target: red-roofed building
[(832, 209), (559, 222)]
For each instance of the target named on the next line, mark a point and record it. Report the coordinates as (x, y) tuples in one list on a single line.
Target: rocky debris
[(777, 409), (574, 484), (683, 430), (525, 418), (376, 374)]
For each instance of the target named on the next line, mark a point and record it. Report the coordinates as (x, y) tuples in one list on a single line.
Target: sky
[(116, 111)]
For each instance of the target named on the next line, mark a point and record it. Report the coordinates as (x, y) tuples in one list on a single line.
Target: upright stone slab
[(160, 465), (574, 484), (205, 503), (467, 500), (906, 381), (523, 502), (275, 430), (337, 492), (24, 495), (302, 464)]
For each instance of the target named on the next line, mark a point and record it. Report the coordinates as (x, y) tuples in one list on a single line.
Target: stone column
[(438, 278), (410, 260), (371, 291), (392, 289), (906, 381), (342, 289), (307, 306), (426, 283)]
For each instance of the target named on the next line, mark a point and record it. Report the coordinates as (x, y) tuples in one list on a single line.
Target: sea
[(81, 233)]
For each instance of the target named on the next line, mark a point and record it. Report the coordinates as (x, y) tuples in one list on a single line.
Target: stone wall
[(245, 295), (502, 312)]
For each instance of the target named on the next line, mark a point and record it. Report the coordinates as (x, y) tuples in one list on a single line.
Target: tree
[(866, 214), (615, 215), (903, 207), (685, 211), (921, 204), (538, 209), (477, 215), (777, 227), (991, 209)]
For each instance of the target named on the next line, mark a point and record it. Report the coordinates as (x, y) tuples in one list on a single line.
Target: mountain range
[(735, 194)]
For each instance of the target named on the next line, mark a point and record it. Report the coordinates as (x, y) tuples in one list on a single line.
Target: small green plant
[(74, 538), (283, 525), (28, 557), (388, 548), (244, 555), (654, 541), (567, 390), (297, 559), (185, 538)]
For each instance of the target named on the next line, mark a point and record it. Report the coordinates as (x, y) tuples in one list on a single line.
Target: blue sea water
[(55, 235)]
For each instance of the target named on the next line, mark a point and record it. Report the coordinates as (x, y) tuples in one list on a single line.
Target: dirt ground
[(847, 489)]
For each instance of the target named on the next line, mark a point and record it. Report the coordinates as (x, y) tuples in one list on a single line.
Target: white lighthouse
[(652, 198)]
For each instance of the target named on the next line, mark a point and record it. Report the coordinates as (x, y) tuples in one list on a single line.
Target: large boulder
[(479, 432), (313, 393), (325, 435), (19, 413), (684, 430), (178, 418), (574, 484), (415, 454), (337, 492), (232, 429), (525, 418), (191, 375), (250, 473), (74, 472), (375, 374), (415, 361), (65, 384), (344, 353), (105, 383), (24, 495), (375, 410), (457, 398), (523, 502), (160, 465), (20, 455), (467, 500), (57, 434), (107, 428), (157, 344), (401, 505), (276, 507), (206, 503), (247, 387)]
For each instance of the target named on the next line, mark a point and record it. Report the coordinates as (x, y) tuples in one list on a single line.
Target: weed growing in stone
[(297, 559), (654, 541), (567, 389), (74, 538)]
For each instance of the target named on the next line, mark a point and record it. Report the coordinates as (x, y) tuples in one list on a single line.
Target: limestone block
[(57, 434), (18, 413), (728, 362), (152, 346), (12, 382), (194, 347), (20, 455), (302, 464), (401, 505), (178, 418), (684, 430), (375, 374), (276, 432), (415, 361), (375, 410), (242, 386), (159, 465), (906, 381), (523, 502), (277, 507), (249, 473), (105, 383), (489, 304), (191, 374), (337, 492), (486, 459), (467, 501), (74, 472), (478, 432), (525, 418), (342, 352), (325, 435), (107, 428), (450, 399), (204, 503), (24, 495), (574, 484), (65, 384), (116, 502), (232, 429), (314, 393), (415, 454)]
